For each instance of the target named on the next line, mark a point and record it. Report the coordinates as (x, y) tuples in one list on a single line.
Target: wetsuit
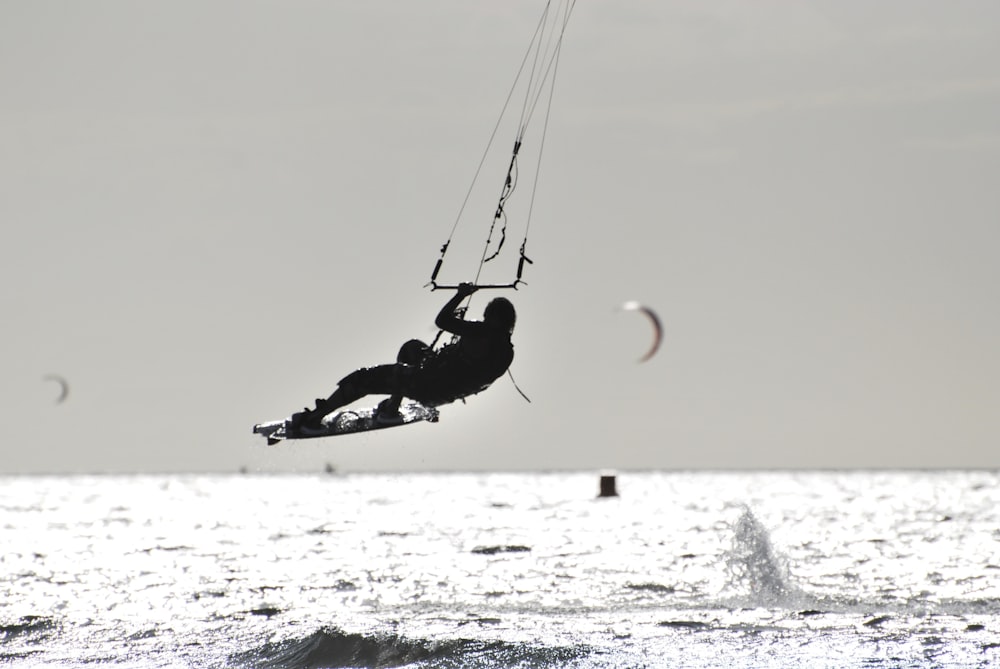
[(480, 355)]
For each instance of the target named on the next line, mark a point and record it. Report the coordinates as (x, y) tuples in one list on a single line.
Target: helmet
[(500, 313)]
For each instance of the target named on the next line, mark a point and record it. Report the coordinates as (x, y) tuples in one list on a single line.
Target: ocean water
[(757, 569)]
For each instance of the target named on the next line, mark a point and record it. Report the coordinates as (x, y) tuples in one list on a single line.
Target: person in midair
[(480, 354)]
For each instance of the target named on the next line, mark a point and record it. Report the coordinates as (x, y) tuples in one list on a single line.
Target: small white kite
[(63, 386), (657, 326)]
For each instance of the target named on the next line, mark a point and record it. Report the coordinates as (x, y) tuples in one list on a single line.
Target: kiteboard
[(347, 421)]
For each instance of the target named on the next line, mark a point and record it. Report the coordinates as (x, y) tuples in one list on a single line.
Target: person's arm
[(446, 319)]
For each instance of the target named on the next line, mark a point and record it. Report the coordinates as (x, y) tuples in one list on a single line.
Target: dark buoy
[(608, 486)]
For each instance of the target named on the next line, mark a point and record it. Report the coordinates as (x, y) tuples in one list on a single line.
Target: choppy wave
[(31, 630), (430, 571), (26, 625), (333, 648)]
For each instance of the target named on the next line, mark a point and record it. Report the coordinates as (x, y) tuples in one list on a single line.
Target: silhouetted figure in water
[(480, 354)]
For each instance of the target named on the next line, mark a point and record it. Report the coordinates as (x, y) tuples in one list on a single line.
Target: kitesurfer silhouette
[(480, 354)]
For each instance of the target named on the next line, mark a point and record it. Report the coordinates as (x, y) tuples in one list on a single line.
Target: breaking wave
[(333, 648)]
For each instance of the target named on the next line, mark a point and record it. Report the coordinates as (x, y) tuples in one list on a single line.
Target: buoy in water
[(608, 486)]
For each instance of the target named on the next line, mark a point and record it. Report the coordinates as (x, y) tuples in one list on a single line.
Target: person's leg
[(410, 356), (379, 380)]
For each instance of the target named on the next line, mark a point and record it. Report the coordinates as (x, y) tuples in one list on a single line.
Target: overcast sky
[(214, 210)]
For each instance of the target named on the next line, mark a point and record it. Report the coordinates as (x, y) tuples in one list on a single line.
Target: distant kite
[(657, 327), (63, 386)]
